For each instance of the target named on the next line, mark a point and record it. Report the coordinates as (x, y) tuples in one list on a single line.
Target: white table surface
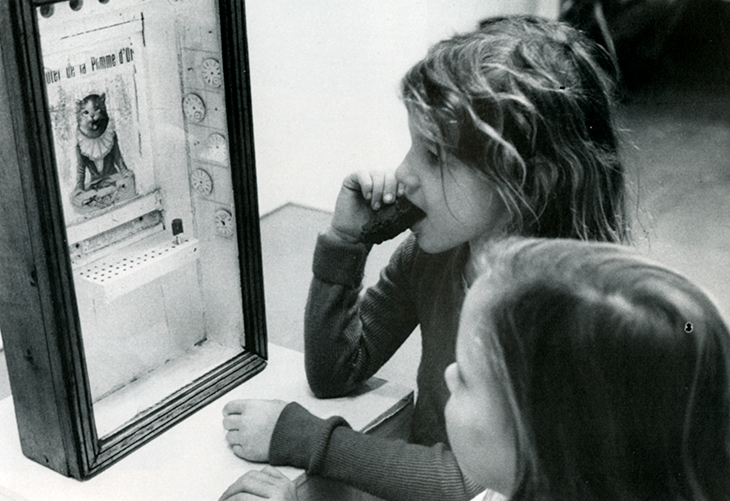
[(191, 461)]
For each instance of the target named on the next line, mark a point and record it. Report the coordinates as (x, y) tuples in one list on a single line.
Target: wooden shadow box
[(131, 286)]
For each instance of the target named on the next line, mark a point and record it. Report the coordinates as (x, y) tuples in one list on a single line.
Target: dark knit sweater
[(348, 337)]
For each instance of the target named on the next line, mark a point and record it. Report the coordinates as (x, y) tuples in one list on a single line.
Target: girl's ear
[(102, 98), (78, 105)]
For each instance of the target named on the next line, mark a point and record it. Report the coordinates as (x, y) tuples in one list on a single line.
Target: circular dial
[(223, 222), (194, 107), (217, 148), (210, 70), (201, 182)]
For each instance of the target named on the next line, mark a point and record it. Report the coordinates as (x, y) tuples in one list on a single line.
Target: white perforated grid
[(107, 270)]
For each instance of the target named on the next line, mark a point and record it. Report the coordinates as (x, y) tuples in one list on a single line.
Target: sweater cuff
[(339, 262), (300, 439)]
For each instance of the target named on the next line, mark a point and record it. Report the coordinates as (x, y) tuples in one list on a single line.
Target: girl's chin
[(419, 241), (433, 246), (426, 246)]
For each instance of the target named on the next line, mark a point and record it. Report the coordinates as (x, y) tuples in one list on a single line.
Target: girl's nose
[(404, 174)]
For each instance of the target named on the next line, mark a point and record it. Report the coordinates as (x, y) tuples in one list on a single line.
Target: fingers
[(244, 447), (250, 424), (232, 422), (390, 188), (237, 438), (360, 192), (273, 472), (362, 181), (250, 483), (268, 483), (238, 450), (234, 407), (378, 187)]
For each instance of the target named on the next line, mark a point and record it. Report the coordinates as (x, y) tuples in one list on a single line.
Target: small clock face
[(201, 182), (223, 223), (217, 148), (194, 107), (210, 70)]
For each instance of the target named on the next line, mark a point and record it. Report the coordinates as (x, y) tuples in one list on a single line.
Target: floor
[(676, 130)]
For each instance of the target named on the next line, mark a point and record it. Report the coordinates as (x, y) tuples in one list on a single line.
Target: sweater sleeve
[(390, 469), (349, 336)]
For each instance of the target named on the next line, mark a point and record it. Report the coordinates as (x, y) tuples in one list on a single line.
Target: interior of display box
[(140, 134)]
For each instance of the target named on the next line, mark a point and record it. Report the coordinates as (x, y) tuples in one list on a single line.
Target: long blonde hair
[(528, 104), (616, 370)]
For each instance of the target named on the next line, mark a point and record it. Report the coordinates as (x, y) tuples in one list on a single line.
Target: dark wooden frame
[(38, 314)]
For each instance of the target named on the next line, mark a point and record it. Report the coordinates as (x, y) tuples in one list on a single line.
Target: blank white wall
[(325, 75)]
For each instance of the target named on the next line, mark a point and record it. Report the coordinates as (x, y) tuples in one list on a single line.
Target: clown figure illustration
[(98, 153)]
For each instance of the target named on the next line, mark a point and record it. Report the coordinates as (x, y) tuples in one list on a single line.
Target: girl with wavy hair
[(512, 134)]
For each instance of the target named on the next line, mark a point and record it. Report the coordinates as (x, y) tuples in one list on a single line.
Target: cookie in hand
[(390, 221)]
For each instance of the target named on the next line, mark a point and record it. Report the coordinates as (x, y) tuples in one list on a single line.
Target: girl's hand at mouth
[(361, 191)]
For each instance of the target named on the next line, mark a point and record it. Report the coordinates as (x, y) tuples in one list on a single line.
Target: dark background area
[(658, 42), (675, 116)]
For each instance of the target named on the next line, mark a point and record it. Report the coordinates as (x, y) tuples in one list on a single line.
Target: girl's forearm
[(390, 469)]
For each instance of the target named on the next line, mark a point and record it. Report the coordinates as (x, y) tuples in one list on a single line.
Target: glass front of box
[(137, 105)]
